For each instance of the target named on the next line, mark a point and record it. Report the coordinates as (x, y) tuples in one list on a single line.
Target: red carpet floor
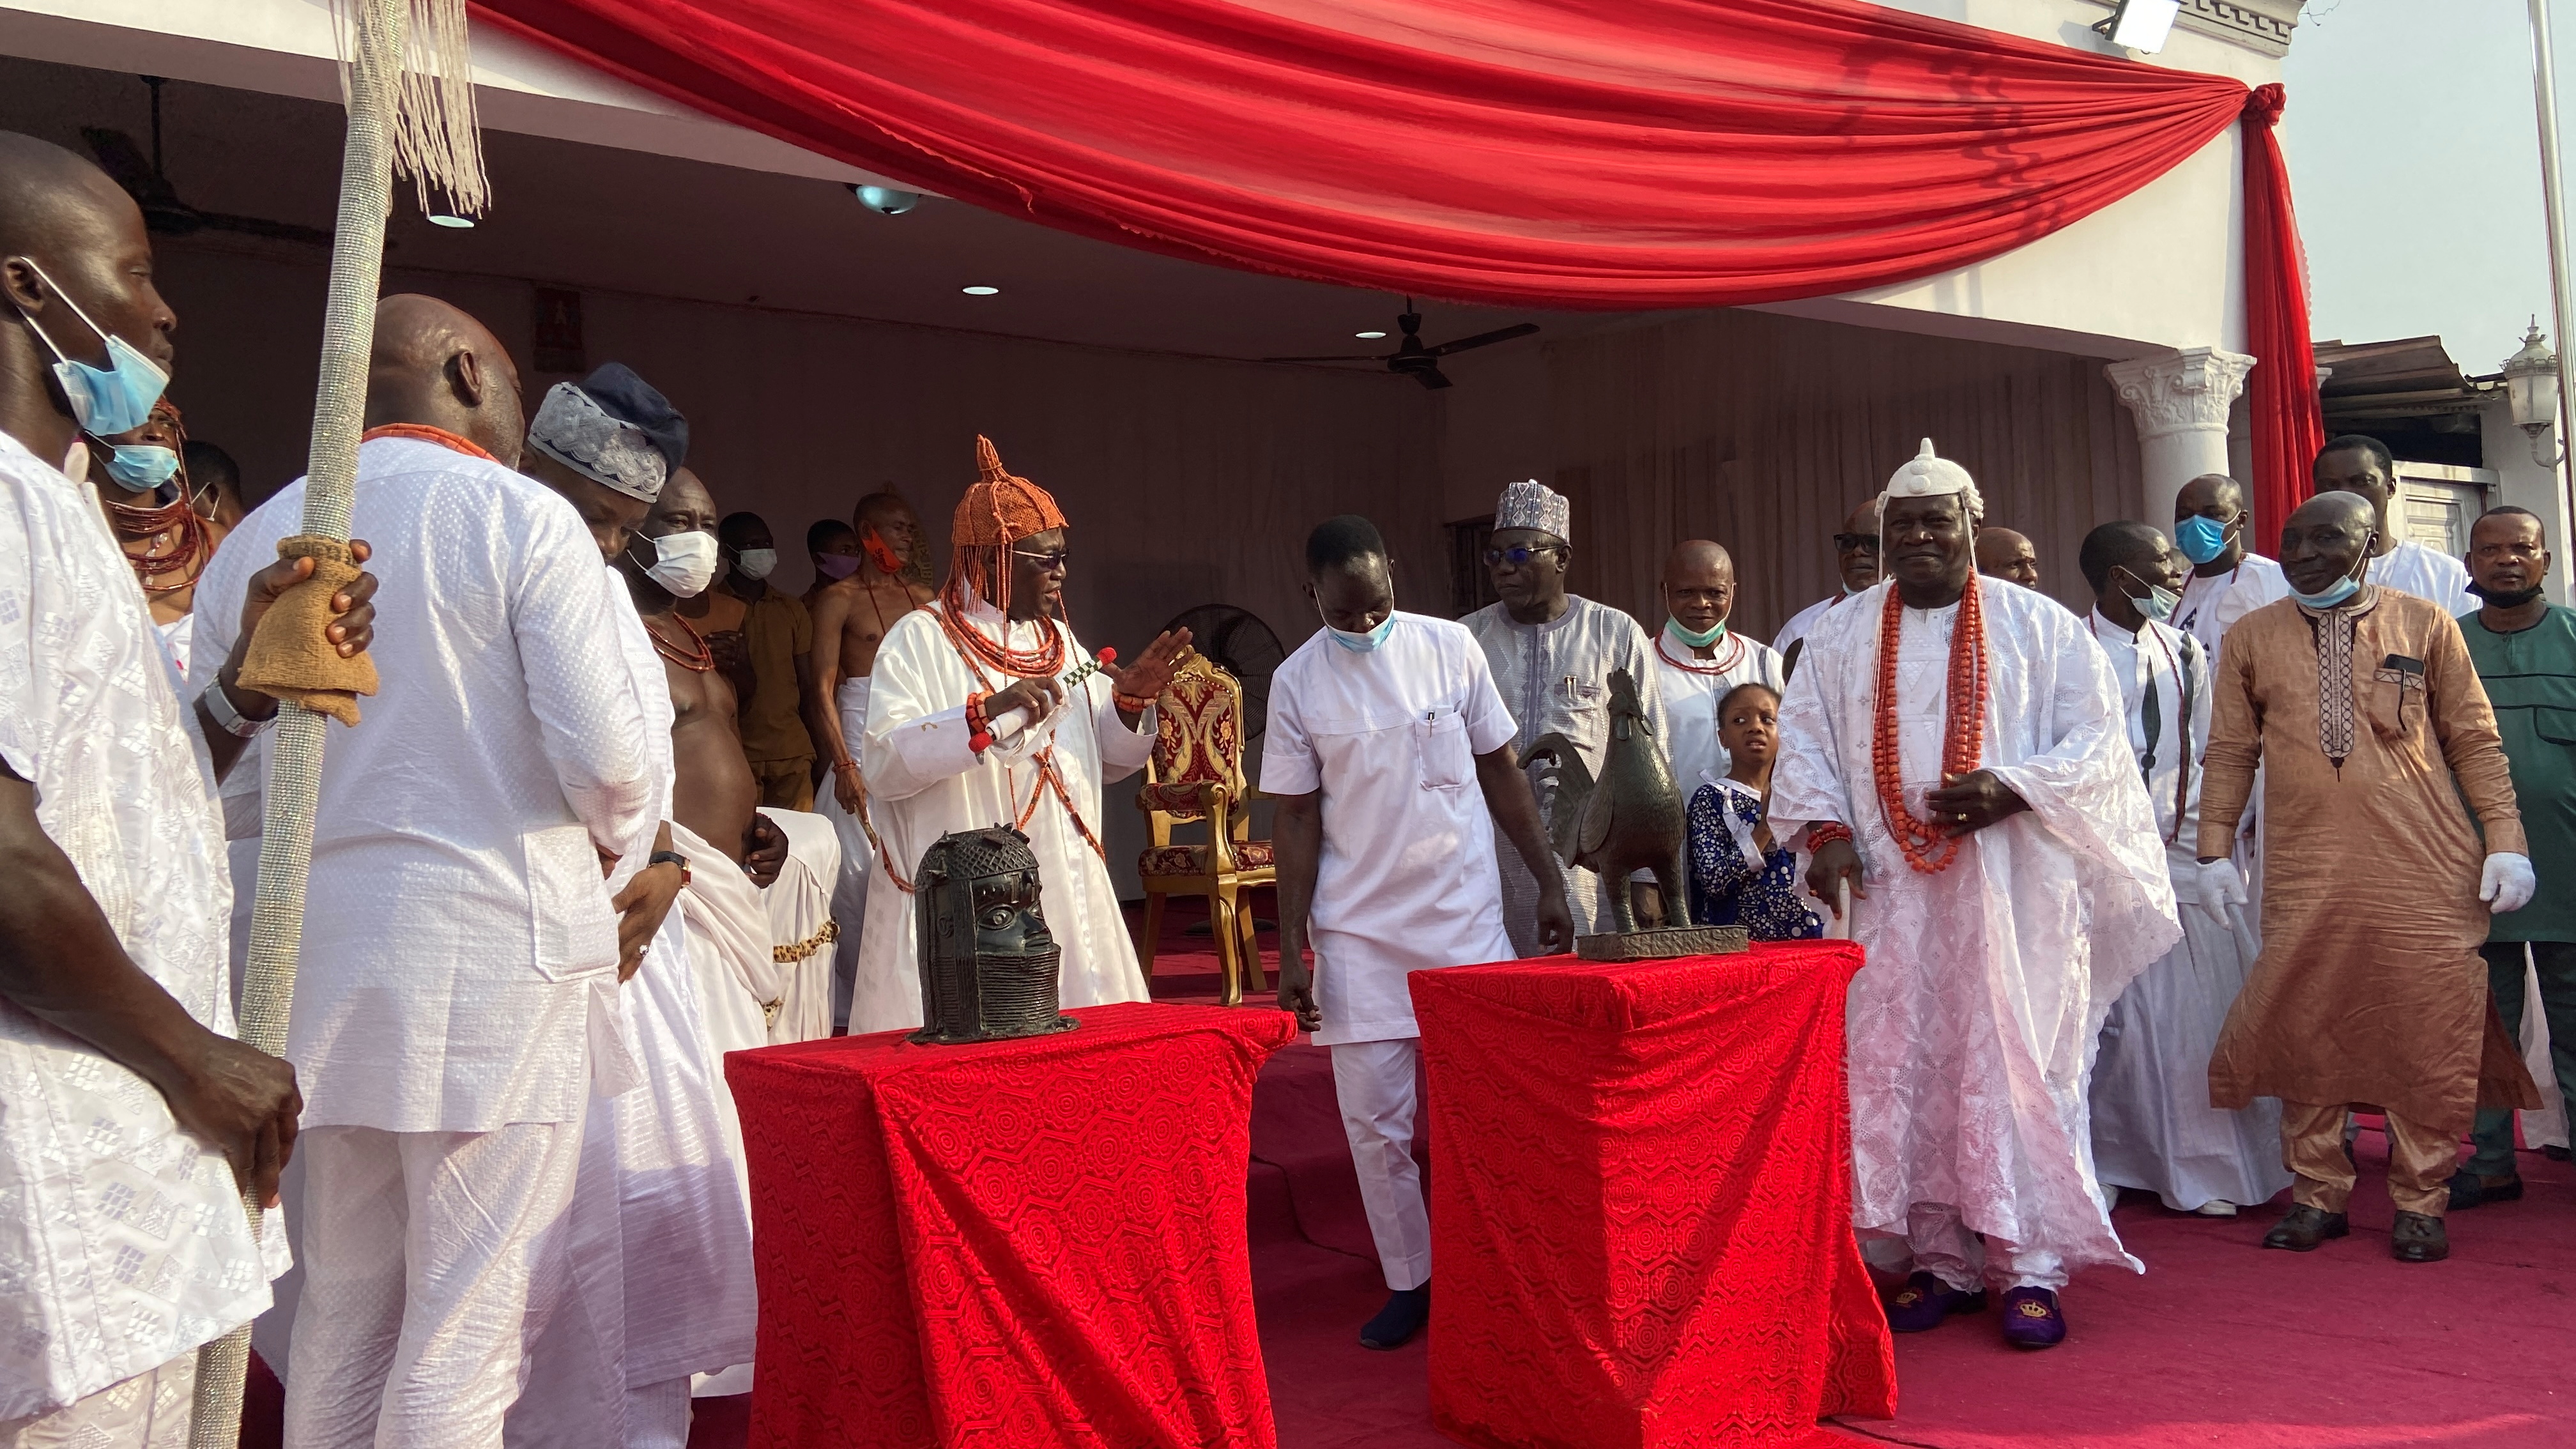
[(2218, 1345)]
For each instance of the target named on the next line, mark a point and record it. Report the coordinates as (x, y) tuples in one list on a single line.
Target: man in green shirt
[(2525, 651)]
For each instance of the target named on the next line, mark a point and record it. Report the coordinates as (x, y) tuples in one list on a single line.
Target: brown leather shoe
[(2305, 1227), (2418, 1238)]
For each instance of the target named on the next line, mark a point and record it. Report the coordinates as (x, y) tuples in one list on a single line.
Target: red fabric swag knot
[(2264, 103)]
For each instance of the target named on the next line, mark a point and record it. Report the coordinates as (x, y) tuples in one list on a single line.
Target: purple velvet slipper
[(2032, 1318), (1925, 1301)]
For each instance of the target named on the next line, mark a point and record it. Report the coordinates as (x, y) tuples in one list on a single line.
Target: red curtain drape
[(2281, 391), (1566, 153)]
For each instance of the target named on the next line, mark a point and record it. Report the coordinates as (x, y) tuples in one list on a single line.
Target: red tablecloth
[(1641, 1202), (1035, 1242)]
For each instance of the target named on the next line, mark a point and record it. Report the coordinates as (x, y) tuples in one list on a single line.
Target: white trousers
[(1938, 1243), (147, 1411), (1374, 1082), (431, 1261)]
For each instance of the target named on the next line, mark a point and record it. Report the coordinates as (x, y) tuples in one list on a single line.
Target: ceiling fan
[(1412, 359), (163, 212)]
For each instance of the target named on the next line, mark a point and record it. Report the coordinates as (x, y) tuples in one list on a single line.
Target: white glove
[(2507, 883), (2221, 885)]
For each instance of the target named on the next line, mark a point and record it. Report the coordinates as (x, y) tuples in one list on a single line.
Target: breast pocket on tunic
[(1447, 761), (2397, 697)]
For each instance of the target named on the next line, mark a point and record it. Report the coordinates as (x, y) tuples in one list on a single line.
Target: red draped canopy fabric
[(1614, 154)]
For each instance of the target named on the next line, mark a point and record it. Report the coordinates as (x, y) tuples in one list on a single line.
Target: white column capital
[(2181, 392)]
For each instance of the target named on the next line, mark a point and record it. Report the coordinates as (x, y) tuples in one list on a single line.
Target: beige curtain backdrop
[(1762, 432), (1193, 481)]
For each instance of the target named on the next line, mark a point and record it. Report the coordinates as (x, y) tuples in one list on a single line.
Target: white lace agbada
[(924, 781), (122, 1242), (1972, 1026)]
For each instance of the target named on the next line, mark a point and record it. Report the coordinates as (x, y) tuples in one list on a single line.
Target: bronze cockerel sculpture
[(1629, 819)]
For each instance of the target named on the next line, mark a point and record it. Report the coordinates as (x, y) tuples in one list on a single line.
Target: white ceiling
[(603, 218)]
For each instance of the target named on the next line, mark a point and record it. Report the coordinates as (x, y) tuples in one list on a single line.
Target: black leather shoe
[(1401, 1318), (2305, 1227), (2469, 1190), (2419, 1239)]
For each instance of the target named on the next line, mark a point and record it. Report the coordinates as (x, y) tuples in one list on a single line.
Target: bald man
[(1855, 562), (134, 1120), (2004, 554), (1698, 659), (461, 956), (2390, 836), (2213, 527)]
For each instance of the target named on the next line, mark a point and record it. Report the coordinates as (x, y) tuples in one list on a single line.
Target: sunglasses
[(1856, 542), (1055, 560), (1518, 554)]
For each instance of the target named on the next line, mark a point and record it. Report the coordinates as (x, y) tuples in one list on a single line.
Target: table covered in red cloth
[(1032, 1242), (1641, 1202)]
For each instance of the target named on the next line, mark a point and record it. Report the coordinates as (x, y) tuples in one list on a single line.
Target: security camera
[(886, 200)]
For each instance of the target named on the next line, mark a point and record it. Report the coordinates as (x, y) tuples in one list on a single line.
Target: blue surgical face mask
[(1700, 640), (1359, 643), (2159, 603), (105, 402), (2200, 539), (142, 468), (2342, 588)]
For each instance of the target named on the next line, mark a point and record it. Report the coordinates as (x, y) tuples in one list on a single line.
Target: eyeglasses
[(1856, 542), (1518, 554), (1055, 560)]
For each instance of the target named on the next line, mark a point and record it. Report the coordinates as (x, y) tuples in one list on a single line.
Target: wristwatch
[(219, 708), (671, 857)]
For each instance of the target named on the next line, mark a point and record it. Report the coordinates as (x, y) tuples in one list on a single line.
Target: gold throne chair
[(1196, 775)]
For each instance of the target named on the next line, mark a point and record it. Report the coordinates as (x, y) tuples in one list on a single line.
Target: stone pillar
[(2180, 402)]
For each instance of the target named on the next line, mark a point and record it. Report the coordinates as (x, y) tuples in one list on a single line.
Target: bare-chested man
[(851, 617)]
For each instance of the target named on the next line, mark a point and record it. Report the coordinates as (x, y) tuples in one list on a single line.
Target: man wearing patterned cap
[(1955, 750), (970, 724), (460, 956), (1551, 653)]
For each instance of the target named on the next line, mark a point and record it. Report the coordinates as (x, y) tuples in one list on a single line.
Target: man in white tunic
[(2153, 1127), (1698, 659), (1855, 560), (970, 725), (2007, 882), (460, 958), (1389, 752), (1551, 654), (2357, 463), (2228, 580), (131, 1122), (660, 1226)]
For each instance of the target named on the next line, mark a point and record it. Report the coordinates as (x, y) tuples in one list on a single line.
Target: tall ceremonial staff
[(407, 77)]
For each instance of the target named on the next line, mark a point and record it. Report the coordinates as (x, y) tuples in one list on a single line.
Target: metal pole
[(2544, 86)]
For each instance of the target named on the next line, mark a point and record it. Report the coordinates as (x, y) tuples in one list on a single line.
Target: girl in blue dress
[(1739, 874)]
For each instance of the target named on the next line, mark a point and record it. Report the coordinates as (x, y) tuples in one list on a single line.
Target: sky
[(2415, 169)]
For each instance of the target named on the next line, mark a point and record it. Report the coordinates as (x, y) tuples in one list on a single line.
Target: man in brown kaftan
[(2364, 708)]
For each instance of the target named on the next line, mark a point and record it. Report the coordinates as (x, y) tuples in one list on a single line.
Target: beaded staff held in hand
[(1927, 846)]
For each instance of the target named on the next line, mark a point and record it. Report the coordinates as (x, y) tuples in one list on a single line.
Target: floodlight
[(2142, 25)]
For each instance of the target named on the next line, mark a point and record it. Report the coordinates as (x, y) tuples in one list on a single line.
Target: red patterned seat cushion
[(1179, 800), (1194, 859)]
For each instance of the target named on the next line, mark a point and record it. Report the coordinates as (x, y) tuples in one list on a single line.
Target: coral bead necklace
[(1927, 846)]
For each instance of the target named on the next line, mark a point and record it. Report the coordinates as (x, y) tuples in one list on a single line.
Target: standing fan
[(1237, 639)]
